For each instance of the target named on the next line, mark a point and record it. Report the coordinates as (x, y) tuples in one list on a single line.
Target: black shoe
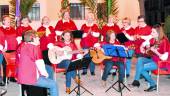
[(2, 84), (127, 75), (151, 88), (84, 73), (93, 74), (114, 74), (135, 83), (12, 79)]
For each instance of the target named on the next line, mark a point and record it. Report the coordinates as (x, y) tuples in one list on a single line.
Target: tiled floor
[(93, 83)]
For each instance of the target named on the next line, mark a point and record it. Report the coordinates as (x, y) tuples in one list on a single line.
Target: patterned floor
[(93, 83)]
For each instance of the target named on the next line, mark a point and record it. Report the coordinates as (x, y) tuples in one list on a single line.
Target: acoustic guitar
[(98, 56), (58, 54)]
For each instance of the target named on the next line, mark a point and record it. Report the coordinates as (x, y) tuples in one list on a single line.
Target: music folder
[(122, 38), (115, 50), (77, 33), (79, 64)]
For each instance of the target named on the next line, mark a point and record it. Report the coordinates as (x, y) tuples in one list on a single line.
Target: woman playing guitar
[(114, 61), (67, 41), (145, 64)]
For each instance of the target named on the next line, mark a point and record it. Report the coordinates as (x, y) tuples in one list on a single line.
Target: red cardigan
[(45, 40), (89, 40), (9, 37)]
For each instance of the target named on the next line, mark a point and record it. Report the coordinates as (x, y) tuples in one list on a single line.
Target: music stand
[(79, 65), (120, 52)]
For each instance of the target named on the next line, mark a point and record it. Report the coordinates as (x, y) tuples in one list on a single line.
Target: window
[(77, 11), (34, 14), (4, 10)]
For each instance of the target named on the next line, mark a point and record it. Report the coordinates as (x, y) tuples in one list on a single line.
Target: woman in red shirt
[(9, 43), (67, 41), (25, 26), (64, 24), (110, 26), (114, 61)]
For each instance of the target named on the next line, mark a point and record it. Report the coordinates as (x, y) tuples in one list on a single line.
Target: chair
[(10, 64), (161, 71), (57, 70), (162, 67)]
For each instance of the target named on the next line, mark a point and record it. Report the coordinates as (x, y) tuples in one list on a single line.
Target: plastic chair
[(10, 64), (57, 70), (161, 71)]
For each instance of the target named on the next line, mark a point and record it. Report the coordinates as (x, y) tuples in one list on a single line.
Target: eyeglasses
[(140, 21)]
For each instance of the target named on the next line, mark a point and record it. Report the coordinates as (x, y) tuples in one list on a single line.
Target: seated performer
[(47, 36), (31, 67), (90, 37), (115, 61), (146, 63), (67, 43)]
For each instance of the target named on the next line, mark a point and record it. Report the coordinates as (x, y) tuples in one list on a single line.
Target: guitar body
[(98, 56), (55, 58)]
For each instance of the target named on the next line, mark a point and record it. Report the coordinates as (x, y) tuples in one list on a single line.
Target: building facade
[(51, 8)]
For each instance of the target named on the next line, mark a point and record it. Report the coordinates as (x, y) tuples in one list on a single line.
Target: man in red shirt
[(90, 37), (141, 30), (48, 36), (31, 68)]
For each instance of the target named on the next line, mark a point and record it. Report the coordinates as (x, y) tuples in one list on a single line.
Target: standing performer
[(64, 24), (47, 37), (90, 37), (10, 43), (141, 30), (1, 55), (31, 67), (110, 26), (129, 33), (25, 26)]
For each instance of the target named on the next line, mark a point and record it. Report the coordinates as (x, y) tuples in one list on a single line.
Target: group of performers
[(35, 68)]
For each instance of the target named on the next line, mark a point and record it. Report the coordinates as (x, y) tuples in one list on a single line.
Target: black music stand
[(120, 52), (78, 65)]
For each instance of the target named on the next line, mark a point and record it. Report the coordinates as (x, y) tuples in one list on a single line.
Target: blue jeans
[(108, 67), (48, 83), (143, 66), (1, 60), (92, 65), (129, 61), (71, 74), (50, 71)]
